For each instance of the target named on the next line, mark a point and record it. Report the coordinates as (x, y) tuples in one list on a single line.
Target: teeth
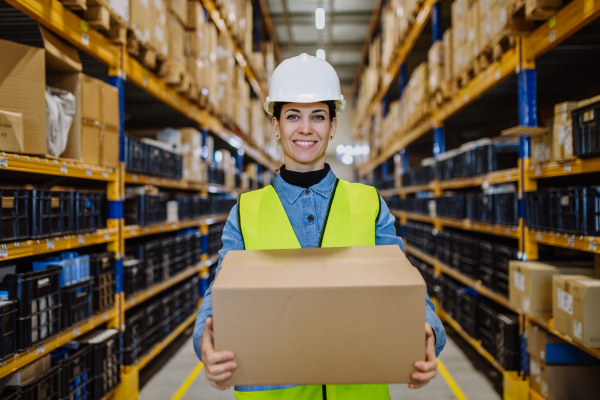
[(304, 143)]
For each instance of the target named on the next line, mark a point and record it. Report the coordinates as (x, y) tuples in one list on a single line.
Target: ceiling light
[(241, 152), (321, 54), (365, 149), (349, 150), (320, 18), (235, 143), (347, 159), (218, 156), (340, 149)]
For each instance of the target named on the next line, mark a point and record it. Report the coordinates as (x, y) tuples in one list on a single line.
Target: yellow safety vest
[(351, 218)]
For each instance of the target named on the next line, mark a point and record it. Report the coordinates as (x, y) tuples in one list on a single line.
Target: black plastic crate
[(38, 296), (75, 374), (586, 130), (575, 210), (216, 176), (506, 207), (507, 336), (509, 360), (76, 303), (487, 341), (102, 270), (135, 155), (51, 213), (496, 157), (105, 371), (154, 325), (134, 276), (488, 320), (154, 160), (502, 256), (8, 326), (537, 210), (172, 311), (11, 393), (483, 208), (14, 213), (451, 206), (46, 387), (133, 339), (90, 212), (150, 254)]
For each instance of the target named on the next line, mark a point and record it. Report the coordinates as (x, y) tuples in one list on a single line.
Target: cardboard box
[(195, 15), (530, 284), (541, 147), (191, 142), (435, 55), (140, 20), (562, 141), (575, 300), (11, 131), (121, 8), (553, 350), (560, 382), (99, 101), (290, 316), (179, 8), (159, 29), (448, 59), (101, 145), (194, 43), (176, 40)]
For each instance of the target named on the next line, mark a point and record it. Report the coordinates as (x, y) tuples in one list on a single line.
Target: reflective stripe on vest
[(351, 218)]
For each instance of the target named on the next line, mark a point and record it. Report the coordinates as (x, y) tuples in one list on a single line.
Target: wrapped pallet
[(435, 59)]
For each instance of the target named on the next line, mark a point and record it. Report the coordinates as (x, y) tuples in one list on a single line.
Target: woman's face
[(304, 131)]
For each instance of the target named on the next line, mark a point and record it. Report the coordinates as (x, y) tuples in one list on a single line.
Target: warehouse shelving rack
[(520, 63), (121, 68)]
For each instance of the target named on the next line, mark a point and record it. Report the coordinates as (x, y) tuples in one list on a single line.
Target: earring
[(276, 136)]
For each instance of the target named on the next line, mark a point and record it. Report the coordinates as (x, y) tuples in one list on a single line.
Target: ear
[(275, 125), (332, 128)]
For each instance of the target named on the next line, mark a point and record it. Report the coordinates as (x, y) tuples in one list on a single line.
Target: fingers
[(208, 325), (217, 357), (416, 385), (218, 378), (217, 386), (429, 343), (426, 366), (221, 368), (424, 377)]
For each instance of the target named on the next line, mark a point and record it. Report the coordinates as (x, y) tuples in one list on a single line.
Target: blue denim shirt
[(298, 206)]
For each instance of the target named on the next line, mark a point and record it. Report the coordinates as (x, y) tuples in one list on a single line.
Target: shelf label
[(81, 240), (498, 74), (538, 236), (146, 230), (50, 245), (519, 281), (64, 169), (592, 246), (84, 26), (88, 172), (552, 22), (40, 350), (3, 162), (105, 174), (552, 36), (538, 171), (132, 302), (134, 178), (173, 226), (153, 180), (75, 332), (133, 232), (85, 39), (577, 329), (3, 252), (105, 316), (106, 236), (571, 242), (145, 81)]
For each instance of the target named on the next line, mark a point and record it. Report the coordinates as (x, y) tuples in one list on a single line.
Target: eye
[(319, 117), (292, 117)]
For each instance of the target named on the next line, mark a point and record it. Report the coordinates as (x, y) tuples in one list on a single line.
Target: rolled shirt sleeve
[(385, 234)]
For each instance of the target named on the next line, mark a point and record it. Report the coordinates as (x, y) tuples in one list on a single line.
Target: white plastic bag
[(60, 109)]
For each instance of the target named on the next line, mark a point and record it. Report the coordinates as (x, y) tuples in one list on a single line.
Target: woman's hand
[(428, 367), (218, 366)]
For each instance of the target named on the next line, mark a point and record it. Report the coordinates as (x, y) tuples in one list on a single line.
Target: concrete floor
[(476, 378)]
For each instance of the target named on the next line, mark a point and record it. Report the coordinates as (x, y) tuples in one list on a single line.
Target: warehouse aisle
[(169, 381)]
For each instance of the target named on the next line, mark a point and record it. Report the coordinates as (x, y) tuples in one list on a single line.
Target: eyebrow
[(296, 110)]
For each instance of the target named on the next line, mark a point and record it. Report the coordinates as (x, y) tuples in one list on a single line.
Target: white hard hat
[(304, 79)]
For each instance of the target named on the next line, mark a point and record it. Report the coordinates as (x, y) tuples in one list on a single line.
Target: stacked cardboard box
[(417, 94), (436, 62), (460, 30), (241, 106), (564, 381), (447, 87), (188, 143), (257, 123), (226, 71)]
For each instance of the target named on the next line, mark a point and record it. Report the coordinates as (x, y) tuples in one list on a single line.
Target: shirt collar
[(291, 192)]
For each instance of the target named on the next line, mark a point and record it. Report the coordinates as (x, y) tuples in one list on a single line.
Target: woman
[(304, 101)]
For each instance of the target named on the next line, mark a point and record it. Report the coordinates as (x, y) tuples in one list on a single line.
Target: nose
[(305, 127)]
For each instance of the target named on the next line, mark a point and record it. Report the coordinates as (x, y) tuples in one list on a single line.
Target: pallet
[(105, 20), (541, 10), (176, 76)]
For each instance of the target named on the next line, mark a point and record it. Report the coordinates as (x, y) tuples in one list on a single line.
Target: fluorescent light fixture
[(340, 149), (240, 59), (213, 189), (218, 156), (321, 54), (320, 18), (347, 159), (366, 150), (357, 150), (205, 91), (235, 143), (349, 150), (241, 152)]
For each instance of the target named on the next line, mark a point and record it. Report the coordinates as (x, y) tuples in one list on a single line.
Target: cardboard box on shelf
[(303, 305), (159, 30), (140, 20), (560, 382), (541, 147), (448, 59), (100, 144), (176, 40), (11, 131), (179, 8), (551, 349), (195, 15), (99, 101), (191, 142), (530, 284), (194, 43), (435, 55), (575, 300), (193, 169), (473, 33)]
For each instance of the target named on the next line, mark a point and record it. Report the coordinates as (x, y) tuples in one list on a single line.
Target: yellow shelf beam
[(504, 176), (212, 260), (48, 166), (131, 231), (402, 53), (554, 169), (56, 17), (476, 344), (548, 325), (27, 248), (419, 254), (156, 350), (161, 287), (241, 58), (64, 337), (578, 242), (491, 229), (163, 182)]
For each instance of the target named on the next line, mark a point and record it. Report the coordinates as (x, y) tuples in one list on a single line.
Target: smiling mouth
[(305, 144)]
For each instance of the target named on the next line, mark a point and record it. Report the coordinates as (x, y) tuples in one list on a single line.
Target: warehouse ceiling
[(346, 27)]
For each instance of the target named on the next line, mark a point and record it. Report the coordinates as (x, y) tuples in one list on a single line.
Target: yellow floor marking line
[(451, 382), (188, 382)]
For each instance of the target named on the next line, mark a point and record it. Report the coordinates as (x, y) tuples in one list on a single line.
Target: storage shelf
[(548, 325), (138, 179), (46, 347), (212, 260), (241, 58), (132, 231), (578, 242), (152, 291), (157, 349), (476, 344), (48, 166), (504, 176), (554, 169), (402, 53), (490, 229), (26, 248), (533, 395), (459, 276), (413, 216)]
